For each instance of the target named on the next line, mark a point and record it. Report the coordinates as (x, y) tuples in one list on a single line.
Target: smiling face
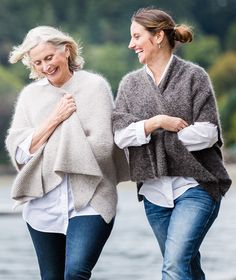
[(51, 62), (143, 43)]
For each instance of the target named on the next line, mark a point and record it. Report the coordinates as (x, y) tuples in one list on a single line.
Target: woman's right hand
[(64, 109), (166, 122)]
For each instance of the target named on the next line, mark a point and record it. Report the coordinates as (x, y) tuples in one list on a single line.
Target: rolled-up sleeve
[(23, 154), (199, 136), (132, 135)]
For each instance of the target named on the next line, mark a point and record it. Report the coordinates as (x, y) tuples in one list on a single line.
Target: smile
[(138, 51), (51, 72)]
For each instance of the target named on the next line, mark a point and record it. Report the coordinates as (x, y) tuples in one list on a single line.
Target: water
[(131, 252)]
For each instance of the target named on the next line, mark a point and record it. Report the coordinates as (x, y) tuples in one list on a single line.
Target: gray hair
[(51, 35)]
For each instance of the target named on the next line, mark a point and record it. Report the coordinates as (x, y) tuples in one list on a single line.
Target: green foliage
[(214, 16), (203, 50), (223, 73), (231, 37), (111, 60), (10, 85), (228, 117), (20, 72), (105, 20)]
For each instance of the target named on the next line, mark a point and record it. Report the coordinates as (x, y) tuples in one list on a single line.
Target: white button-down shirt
[(164, 190)]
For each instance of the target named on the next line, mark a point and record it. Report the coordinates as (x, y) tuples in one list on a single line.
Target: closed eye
[(37, 63), (49, 57)]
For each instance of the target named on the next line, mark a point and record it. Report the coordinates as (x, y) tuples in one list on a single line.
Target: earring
[(159, 45)]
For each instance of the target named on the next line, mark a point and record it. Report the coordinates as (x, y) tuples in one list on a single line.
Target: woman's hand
[(166, 122), (64, 109)]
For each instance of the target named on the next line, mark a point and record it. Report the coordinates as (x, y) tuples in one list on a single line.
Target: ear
[(67, 50), (159, 36)]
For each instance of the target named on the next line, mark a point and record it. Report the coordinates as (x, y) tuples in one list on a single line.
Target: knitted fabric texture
[(81, 146), (185, 92)]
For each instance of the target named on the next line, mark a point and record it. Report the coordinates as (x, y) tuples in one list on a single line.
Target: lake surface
[(131, 252)]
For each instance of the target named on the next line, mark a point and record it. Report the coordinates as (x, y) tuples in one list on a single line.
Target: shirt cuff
[(140, 133), (23, 154), (199, 136)]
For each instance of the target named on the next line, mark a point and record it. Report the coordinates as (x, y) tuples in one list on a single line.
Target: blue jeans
[(180, 232), (71, 257)]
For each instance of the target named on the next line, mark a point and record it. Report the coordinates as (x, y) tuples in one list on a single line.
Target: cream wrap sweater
[(81, 146)]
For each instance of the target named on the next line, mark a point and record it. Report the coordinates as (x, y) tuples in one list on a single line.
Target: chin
[(54, 79), (141, 61)]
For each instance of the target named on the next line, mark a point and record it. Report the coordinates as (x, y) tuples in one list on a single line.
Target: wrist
[(158, 121), (152, 124), (53, 122)]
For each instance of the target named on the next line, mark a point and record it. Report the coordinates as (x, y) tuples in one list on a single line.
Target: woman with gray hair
[(61, 143), (166, 117)]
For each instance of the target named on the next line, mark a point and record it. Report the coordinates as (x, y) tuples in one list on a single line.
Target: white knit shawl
[(81, 146)]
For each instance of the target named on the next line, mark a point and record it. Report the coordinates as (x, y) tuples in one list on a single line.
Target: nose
[(46, 66), (131, 44)]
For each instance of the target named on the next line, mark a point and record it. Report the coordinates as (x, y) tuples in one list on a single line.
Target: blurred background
[(102, 26), (103, 29)]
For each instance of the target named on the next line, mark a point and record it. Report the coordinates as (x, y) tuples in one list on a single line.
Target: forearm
[(62, 111), (165, 122), (42, 134), (151, 125)]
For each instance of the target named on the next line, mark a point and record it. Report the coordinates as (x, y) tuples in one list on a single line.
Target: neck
[(64, 81), (158, 65)]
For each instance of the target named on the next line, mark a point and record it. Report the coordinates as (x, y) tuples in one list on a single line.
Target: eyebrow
[(43, 58)]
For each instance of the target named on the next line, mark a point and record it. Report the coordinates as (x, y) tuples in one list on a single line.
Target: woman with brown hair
[(166, 119)]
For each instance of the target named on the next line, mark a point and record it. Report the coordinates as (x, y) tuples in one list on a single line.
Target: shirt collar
[(149, 72)]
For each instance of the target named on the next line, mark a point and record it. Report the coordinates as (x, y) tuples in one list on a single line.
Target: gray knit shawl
[(81, 146), (185, 92)]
